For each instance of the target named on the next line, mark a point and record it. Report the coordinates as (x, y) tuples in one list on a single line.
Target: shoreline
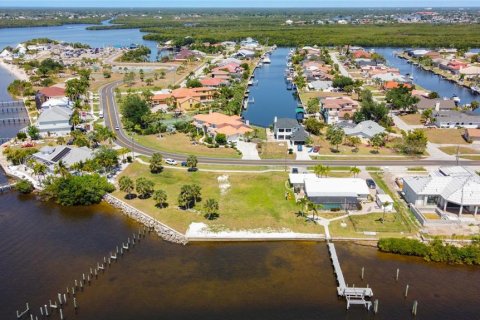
[(14, 70)]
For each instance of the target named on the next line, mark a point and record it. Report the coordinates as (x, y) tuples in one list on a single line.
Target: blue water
[(77, 33), (427, 79), (270, 94)]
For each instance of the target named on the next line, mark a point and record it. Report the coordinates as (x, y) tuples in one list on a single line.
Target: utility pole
[(457, 155)]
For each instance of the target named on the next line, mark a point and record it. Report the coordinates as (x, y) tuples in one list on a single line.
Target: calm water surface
[(43, 248), (270, 94)]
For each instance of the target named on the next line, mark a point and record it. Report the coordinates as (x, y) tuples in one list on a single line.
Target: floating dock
[(352, 295)]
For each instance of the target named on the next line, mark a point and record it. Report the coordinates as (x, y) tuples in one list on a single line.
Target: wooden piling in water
[(375, 306), (414, 308), (363, 272), (406, 291), (398, 272)]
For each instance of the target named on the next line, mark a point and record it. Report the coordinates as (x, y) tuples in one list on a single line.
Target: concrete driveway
[(248, 150)]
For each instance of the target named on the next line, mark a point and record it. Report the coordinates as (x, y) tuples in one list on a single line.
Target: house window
[(281, 137), (281, 130), (288, 130), (432, 199)]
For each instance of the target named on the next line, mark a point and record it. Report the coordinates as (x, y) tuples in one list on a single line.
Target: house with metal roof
[(456, 119), (68, 155), (288, 129), (435, 104), (55, 121), (451, 189)]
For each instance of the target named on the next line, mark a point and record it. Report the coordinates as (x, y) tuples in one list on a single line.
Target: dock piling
[(363, 272), (414, 308), (375, 306), (406, 291), (398, 272)]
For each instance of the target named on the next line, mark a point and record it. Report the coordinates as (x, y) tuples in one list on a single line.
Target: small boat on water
[(475, 89), (289, 86), (266, 60), (251, 100), (250, 82), (260, 64), (456, 98)]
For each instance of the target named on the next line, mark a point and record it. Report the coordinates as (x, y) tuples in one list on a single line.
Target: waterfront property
[(472, 135), (435, 104), (54, 121), (186, 98), (49, 93), (68, 155), (287, 129), (335, 109), (450, 190), (331, 193)]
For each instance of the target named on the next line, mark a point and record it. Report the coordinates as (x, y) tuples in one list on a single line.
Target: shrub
[(24, 186)]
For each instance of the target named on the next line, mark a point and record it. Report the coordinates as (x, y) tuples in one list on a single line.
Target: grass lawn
[(181, 143), (274, 150), (327, 149), (416, 169), (372, 222), (412, 119), (445, 136), (345, 228), (261, 133), (471, 157), (461, 150), (253, 201)]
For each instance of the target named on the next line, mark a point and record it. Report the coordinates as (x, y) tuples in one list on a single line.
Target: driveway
[(248, 150), (302, 155), (341, 68)]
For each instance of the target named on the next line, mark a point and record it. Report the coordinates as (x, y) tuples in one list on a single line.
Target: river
[(270, 93), (44, 247)]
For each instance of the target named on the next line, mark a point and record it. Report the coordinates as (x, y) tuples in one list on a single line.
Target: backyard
[(246, 200)]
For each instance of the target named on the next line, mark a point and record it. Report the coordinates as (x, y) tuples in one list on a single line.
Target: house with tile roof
[(335, 109), (186, 98), (450, 189), (214, 123)]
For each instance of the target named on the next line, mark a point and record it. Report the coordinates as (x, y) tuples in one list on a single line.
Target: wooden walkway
[(352, 295)]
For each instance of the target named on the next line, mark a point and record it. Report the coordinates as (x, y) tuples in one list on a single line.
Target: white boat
[(267, 60), (250, 82), (260, 64), (456, 98), (475, 89)]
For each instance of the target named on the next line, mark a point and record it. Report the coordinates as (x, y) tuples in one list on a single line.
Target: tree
[(39, 169), (335, 135), (107, 158), (401, 99), (313, 106), (427, 116), (149, 81), (33, 132), (474, 105), (377, 141), (193, 83), (75, 88), (126, 185), (211, 208), (20, 88), (221, 138), (61, 169), (160, 198), (192, 161), (144, 187), (414, 142), (341, 82), (156, 165), (353, 141), (129, 78), (134, 111), (385, 205), (75, 119), (185, 198), (355, 171), (433, 95), (302, 202), (321, 170), (313, 126)]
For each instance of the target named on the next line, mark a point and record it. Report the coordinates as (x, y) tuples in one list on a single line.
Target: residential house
[(335, 109), (250, 44), (68, 155), (456, 119), (288, 129), (214, 82), (435, 104), (472, 135), (214, 123), (332, 193), (364, 130), (470, 72), (57, 102), (361, 54), (186, 98), (48, 93), (454, 66), (385, 202), (386, 77), (54, 121), (450, 189), (244, 54), (184, 55), (321, 85), (389, 85)]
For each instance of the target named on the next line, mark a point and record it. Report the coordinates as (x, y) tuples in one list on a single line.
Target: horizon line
[(237, 7)]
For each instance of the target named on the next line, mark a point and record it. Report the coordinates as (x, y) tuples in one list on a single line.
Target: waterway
[(270, 92), (427, 79), (44, 247)]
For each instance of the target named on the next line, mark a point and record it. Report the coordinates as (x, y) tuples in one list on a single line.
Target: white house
[(365, 129), (451, 189), (67, 154), (57, 102), (55, 120)]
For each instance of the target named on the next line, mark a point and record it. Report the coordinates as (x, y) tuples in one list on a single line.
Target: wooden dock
[(352, 294)]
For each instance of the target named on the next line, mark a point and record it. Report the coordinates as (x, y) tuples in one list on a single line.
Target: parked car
[(294, 170), (184, 163), (299, 147), (371, 184), (192, 169), (171, 162)]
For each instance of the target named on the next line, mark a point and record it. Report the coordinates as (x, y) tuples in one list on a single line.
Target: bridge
[(352, 295)]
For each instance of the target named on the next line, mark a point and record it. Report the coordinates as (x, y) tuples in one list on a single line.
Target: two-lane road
[(112, 120)]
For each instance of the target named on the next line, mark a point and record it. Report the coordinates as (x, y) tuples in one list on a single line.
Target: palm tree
[(327, 171), (312, 207), (75, 119), (355, 171), (302, 202), (156, 163), (211, 208), (319, 170), (192, 161), (385, 205), (126, 185), (61, 169), (160, 198)]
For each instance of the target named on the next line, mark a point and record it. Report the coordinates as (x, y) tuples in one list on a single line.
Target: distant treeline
[(26, 23), (436, 251)]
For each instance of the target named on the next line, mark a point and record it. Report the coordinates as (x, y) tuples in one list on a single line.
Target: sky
[(242, 3)]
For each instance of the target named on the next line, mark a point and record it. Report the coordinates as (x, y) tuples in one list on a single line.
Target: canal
[(44, 247), (426, 79), (270, 92)]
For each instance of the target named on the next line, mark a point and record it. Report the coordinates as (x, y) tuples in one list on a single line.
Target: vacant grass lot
[(253, 201), (412, 119), (274, 150), (181, 143), (445, 136), (327, 149)]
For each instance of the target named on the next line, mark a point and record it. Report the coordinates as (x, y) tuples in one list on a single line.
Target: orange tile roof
[(53, 92), (473, 133), (212, 81)]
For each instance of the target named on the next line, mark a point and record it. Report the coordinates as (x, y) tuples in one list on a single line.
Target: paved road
[(112, 120)]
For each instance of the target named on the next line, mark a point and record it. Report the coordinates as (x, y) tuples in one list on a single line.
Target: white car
[(171, 162)]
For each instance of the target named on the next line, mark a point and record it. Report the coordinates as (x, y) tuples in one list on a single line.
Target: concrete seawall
[(165, 232)]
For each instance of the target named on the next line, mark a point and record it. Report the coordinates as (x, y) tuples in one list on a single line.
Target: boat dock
[(352, 295)]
